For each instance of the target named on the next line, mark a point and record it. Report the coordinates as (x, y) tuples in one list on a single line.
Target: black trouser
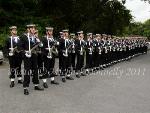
[(132, 51), (127, 52), (139, 50), (63, 63), (113, 56), (136, 50), (49, 64), (118, 54), (15, 65), (103, 58), (100, 59), (73, 58), (80, 62), (109, 57), (106, 58), (30, 64), (142, 48), (69, 64), (121, 55), (60, 60), (96, 59), (145, 49), (40, 63), (89, 60), (124, 54)]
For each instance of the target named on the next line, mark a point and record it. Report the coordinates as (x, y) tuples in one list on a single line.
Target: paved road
[(122, 88)]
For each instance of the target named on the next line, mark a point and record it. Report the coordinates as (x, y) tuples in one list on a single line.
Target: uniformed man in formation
[(39, 56), (49, 52), (29, 45), (78, 55), (73, 51), (65, 47), (80, 51), (14, 53), (89, 52)]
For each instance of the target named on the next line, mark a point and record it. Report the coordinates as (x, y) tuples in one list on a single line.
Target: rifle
[(13, 50), (50, 51), (29, 53), (65, 52)]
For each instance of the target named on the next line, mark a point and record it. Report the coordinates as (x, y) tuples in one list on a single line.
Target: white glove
[(10, 54), (57, 43), (11, 49), (38, 40), (41, 45), (28, 54)]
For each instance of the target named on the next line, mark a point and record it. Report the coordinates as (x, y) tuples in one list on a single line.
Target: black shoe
[(69, 78), (20, 82), (54, 74), (38, 88), (45, 85), (26, 92), (63, 80), (31, 75), (101, 68), (40, 77), (97, 69), (12, 84), (94, 70), (54, 82), (82, 74), (78, 76), (90, 71), (87, 72), (104, 66)]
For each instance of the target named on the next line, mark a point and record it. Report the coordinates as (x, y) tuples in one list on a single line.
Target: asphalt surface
[(122, 88)]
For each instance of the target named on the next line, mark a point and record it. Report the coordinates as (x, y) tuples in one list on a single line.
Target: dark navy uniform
[(29, 45), (73, 52), (49, 47), (80, 52), (14, 53), (65, 53)]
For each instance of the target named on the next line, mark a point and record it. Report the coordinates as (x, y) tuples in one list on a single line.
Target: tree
[(124, 1), (137, 28), (97, 16)]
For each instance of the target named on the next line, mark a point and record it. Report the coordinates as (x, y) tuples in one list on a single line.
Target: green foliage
[(141, 29), (146, 0), (3, 38), (97, 16), (124, 1)]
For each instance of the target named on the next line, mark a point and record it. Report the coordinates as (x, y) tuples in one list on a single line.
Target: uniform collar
[(49, 38), (14, 37)]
